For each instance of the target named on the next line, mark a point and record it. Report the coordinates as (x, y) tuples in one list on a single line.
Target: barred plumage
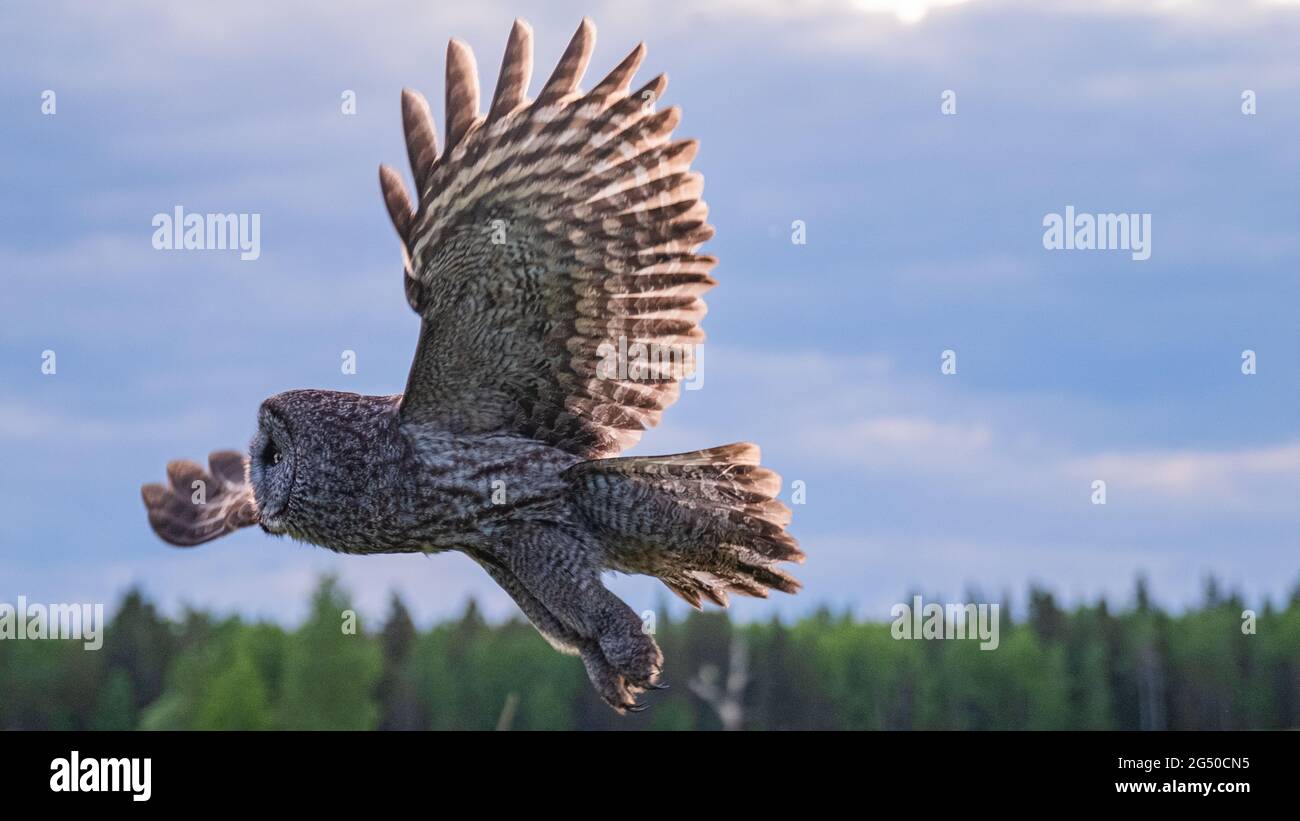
[(548, 240), (598, 218)]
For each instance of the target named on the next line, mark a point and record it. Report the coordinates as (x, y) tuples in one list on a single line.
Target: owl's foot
[(624, 663), (615, 688), (579, 614), (631, 650)]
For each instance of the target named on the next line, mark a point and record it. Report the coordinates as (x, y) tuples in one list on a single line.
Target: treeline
[(1085, 668)]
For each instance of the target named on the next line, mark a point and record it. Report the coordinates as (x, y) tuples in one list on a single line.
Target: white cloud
[(911, 444), (1229, 481), (864, 414), (1001, 474)]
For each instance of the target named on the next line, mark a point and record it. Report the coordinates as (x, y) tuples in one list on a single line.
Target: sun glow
[(908, 12)]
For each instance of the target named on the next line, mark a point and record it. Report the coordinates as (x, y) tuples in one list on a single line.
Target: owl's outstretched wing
[(552, 255), (197, 506)]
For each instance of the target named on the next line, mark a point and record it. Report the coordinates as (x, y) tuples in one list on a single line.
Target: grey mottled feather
[(497, 448)]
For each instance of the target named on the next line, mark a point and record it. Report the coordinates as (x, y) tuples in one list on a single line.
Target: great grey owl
[(552, 260)]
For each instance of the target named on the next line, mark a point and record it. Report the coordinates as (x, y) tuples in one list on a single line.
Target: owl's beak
[(272, 521)]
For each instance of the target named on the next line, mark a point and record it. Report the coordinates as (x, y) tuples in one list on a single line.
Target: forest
[(1089, 667)]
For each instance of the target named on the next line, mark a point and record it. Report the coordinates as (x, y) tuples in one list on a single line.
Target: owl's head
[(320, 461), (272, 465)]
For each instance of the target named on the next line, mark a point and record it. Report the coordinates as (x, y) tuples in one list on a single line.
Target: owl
[(552, 258)]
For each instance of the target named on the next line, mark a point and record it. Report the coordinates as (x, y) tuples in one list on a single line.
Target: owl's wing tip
[(197, 505)]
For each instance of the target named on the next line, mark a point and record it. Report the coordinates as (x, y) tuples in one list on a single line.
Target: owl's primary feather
[(545, 237), (197, 506), (552, 256)]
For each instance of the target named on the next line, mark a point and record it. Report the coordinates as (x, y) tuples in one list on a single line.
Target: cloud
[(924, 235), (899, 443), (1242, 481), (864, 415)]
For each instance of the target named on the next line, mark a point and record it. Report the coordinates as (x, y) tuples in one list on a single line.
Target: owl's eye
[(271, 455)]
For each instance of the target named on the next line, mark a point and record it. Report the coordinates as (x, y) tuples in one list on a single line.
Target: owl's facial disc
[(271, 469)]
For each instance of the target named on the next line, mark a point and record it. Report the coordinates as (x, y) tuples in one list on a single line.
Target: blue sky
[(924, 233)]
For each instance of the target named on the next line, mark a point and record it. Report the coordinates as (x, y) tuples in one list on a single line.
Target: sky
[(924, 234)]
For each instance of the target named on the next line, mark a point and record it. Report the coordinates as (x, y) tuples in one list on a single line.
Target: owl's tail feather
[(705, 522)]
